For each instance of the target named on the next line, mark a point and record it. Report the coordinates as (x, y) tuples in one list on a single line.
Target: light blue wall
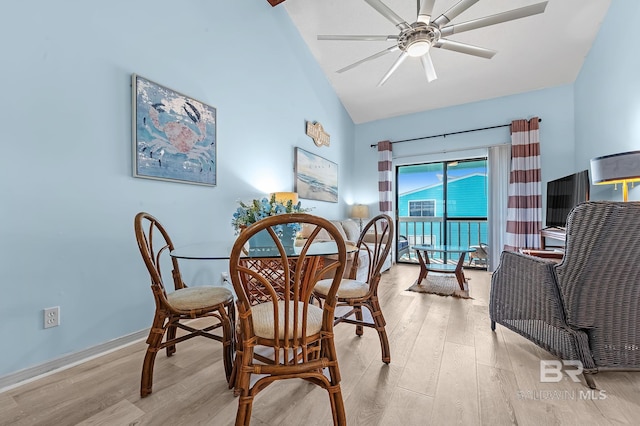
[(68, 197), (607, 95), (554, 106)]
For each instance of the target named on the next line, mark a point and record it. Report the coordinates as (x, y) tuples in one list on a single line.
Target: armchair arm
[(525, 298), (524, 288)]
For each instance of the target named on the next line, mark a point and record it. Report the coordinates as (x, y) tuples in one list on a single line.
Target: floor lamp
[(360, 211), (623, 168)]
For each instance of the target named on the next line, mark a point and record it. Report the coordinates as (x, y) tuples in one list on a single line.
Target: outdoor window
[(422, 208)]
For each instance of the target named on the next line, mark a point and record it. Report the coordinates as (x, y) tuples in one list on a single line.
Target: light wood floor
[(447, 367)]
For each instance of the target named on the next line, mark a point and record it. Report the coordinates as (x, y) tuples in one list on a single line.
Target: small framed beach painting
[(174, 136), (316, 178)]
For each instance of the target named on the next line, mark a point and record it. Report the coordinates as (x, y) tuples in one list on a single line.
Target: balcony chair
[(281, 335), (480, 256), (403, 248), (375, 239), (585, 307), (175, 309)]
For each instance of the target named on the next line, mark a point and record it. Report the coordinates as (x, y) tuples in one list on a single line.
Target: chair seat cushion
[(186, 299), (348, 288), (263, 319)]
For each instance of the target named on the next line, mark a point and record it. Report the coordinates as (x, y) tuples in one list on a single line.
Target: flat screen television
[(563, 194)]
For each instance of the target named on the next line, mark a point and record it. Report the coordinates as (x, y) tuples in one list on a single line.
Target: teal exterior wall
[(467, 199)]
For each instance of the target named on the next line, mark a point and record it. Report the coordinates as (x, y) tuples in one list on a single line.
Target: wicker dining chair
[(375, 242), (174, 309), (281, 334)]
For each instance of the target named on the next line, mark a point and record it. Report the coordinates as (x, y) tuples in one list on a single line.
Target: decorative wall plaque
[(317, 133)]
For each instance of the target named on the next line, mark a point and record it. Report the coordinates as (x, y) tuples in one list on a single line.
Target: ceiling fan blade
[(427, 63), (394, 67), (498, 18), (464, 48), (359, 37), (454, 11), (369, 58), (425, 9), (384, 10)]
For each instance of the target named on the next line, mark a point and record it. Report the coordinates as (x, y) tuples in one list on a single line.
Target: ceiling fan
[(418, 38)]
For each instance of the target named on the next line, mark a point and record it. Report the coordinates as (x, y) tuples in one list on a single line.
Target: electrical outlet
[(225, 277), (52, 317)]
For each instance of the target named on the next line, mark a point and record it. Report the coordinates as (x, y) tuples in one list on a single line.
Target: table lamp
[(623, 168), (360, 211), (284, 197)]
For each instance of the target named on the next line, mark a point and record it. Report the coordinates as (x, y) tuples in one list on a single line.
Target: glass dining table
[(264, 258), (218, 250)]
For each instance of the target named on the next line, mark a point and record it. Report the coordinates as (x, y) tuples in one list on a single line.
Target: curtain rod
[(444, 135)]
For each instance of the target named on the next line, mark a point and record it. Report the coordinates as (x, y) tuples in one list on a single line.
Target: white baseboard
[(39, 371)]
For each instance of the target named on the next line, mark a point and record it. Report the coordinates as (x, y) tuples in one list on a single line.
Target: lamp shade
[(360, 211), (284, 197), (616, 168)]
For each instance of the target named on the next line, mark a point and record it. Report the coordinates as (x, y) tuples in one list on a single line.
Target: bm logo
[(551, 370)]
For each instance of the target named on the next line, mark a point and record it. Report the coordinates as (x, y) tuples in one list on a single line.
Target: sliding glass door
[(441, 203)]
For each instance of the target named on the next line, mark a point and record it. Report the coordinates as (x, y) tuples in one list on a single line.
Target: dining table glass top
[(218, 250)]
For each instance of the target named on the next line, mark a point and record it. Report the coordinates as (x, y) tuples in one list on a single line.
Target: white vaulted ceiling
[(535, 52)]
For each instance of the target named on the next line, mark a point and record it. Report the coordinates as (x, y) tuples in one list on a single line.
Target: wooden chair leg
[(337, 406), (171, 334), (358, 312), (380, 324), (243, 383), (234, 381), (243, 415), (335, 392), (228, 338), (154, 341)]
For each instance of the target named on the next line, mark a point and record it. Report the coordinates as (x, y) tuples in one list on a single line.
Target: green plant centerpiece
[(249, 213)]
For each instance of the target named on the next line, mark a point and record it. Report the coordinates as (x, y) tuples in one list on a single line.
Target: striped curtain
[(524, 204), (385, 177)]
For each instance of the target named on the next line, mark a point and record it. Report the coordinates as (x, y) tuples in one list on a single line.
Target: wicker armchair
[(586, 307)]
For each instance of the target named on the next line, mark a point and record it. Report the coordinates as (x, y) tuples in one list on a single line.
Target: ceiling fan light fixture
[(418, 48), (416, 39)]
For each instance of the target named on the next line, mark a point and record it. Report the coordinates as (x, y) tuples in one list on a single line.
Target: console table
[(555, 233), (553, 255)]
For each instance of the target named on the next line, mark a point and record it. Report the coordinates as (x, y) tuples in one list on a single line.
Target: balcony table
[(426, 265)]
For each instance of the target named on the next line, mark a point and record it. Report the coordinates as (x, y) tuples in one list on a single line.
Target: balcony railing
[(431, 230)]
